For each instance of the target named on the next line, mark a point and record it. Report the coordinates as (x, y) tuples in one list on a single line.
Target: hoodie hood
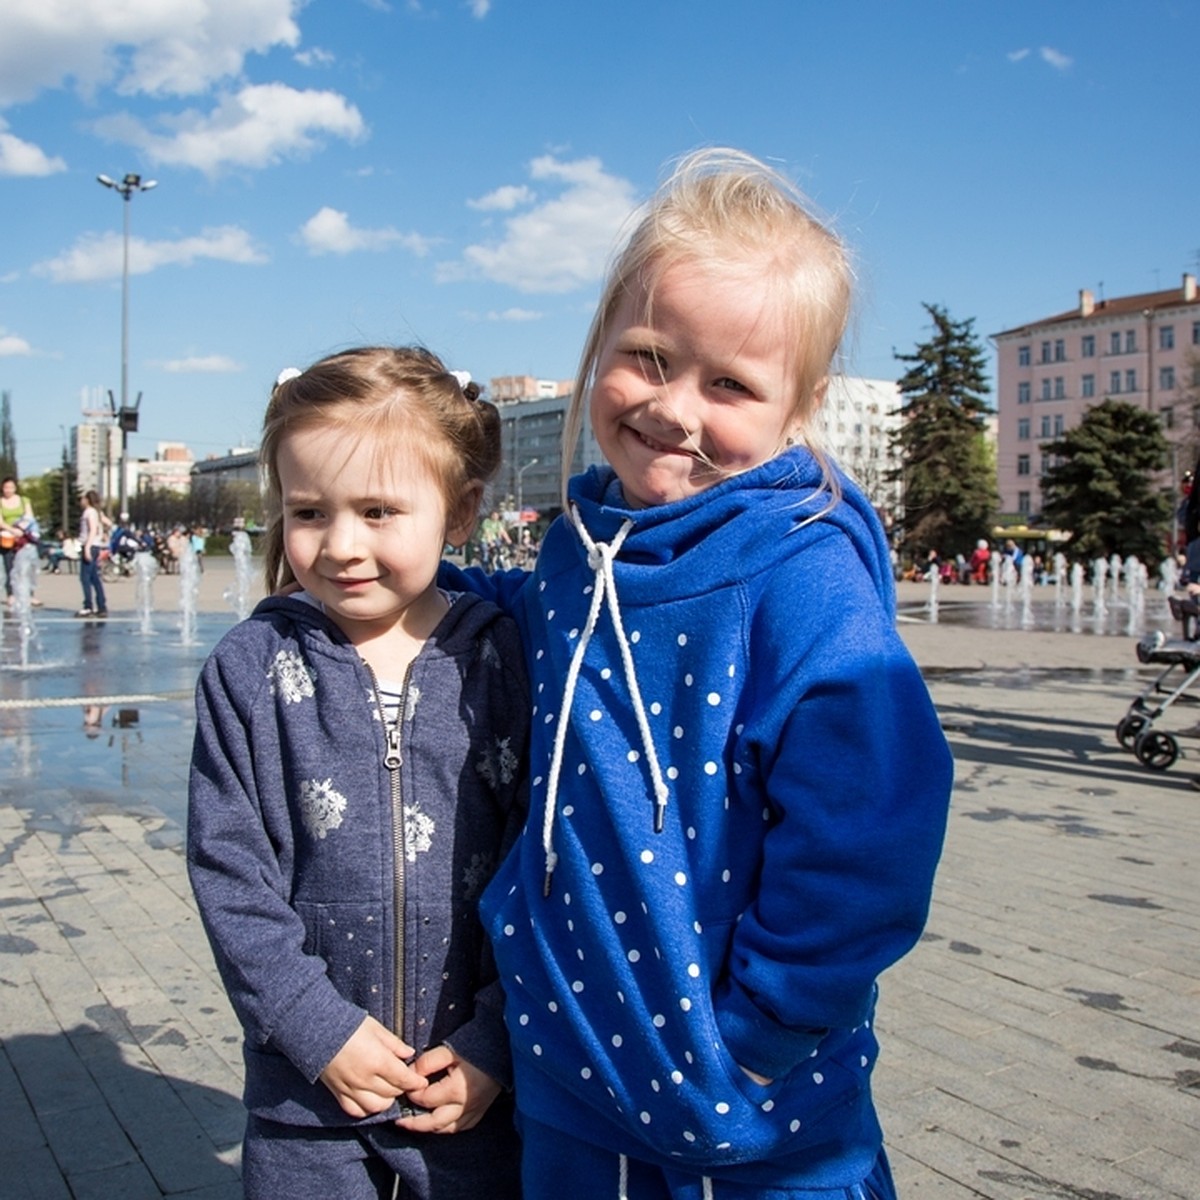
[(737, 526)]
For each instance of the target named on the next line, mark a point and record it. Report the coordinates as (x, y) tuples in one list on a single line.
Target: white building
[(856, 425)]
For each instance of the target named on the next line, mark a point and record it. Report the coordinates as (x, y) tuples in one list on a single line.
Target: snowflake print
[(477, 874), (291, 677), (418, 832), (321, 806), (498, 763), (488, 654), (411, 697)]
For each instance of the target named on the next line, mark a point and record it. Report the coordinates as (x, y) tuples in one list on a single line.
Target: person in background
[(13, 508), (93, 544)]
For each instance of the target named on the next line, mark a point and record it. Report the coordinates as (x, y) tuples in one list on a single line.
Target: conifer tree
[(1102, 488), (946, 469)]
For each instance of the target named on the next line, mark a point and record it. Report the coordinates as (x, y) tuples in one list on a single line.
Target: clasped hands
[(374, 1067)]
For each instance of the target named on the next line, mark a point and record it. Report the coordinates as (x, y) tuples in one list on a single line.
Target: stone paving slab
[(1043, 1040)]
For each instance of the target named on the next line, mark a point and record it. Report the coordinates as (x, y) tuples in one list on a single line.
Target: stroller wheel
[(1128, 728), (1156, 750)]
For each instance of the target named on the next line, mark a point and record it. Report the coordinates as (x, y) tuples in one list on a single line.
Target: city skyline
[(456, 174)]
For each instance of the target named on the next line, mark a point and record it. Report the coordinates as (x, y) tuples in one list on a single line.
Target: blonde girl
[(357, 775), (739, 784)]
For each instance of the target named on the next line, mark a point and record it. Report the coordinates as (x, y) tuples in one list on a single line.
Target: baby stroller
[(1155, 748)]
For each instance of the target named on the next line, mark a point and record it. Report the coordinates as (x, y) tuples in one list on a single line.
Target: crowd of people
[(101, 549), (1005, 562)]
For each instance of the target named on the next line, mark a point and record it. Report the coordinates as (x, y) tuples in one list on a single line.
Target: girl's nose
[(342, 539), (677, 405)]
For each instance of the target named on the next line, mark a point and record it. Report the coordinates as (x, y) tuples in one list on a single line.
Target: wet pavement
[(1042, 1041)]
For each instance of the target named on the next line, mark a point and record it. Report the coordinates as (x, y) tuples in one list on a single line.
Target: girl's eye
[(651, 360), (732, 385), (305, 514), (380, 513)]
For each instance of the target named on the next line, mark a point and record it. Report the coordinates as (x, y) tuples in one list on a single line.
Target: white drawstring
[(622, 1177), (706, 1184), (600, 558)]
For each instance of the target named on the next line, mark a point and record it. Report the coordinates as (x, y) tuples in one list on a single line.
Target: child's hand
[(457, 1100), (370, 1071)]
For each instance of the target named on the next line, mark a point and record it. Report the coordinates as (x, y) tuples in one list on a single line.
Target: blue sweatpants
[(363, 1162), (556, 1165)]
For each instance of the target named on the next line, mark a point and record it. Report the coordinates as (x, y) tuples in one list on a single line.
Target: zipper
[(393, 759)]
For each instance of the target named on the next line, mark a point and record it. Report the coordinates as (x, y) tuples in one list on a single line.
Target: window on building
[(1166, 379), (1023, 356), (1024, 393), (1087, 386), (1060, 388), (1022, 464), (1196, 333), (1058, 425), (1114, 383), (1023, 505), (1130, 341), (1087, 346), (1046, 389), (1060, 350), (1166, 337), (1131, 380), (1045, 352), (1114, 342), (1167, 416), (1023, 429), (1046, 426)]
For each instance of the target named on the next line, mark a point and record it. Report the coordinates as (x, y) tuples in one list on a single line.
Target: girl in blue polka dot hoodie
[(740, 784)]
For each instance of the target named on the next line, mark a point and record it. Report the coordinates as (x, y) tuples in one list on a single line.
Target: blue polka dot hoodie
[(337, 870), (739, 793)]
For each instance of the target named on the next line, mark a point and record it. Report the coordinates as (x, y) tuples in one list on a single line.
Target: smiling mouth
[(661, 447)]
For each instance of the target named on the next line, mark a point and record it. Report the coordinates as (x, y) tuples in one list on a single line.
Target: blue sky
[(346, 171)]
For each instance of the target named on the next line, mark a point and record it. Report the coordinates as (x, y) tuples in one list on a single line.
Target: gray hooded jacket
[(337, 871)]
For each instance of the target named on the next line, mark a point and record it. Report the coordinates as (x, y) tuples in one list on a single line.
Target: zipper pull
[(391, 758)]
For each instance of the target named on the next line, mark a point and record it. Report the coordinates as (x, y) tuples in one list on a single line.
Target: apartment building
[(1142, 349)]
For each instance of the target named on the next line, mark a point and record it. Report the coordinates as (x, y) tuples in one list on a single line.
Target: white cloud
[(1018, 55), (202, 364), (12, 346), (159, 47), (504, 199), (316, 57), (18, 157), (515, 314), (100, 256), (1056, 59), (563, 242), (479, 8), (330, 232), (257, 127)]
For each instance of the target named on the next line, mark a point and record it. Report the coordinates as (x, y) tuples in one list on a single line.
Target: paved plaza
[(1043, 1041)]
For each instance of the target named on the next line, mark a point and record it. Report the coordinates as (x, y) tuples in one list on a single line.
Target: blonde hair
[(389, 396), (725, 208)]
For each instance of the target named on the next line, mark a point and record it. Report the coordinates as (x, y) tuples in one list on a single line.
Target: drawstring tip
[(660, 807), (546, 884)]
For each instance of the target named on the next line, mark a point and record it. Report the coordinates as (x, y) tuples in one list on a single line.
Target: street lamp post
[(521, 488), (127, 419)]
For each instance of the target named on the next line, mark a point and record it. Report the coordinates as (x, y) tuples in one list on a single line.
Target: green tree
[(946, 469), (59, 507), (8, 440), (1102, 486)]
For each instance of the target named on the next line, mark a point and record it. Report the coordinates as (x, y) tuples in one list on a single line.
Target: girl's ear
[(461, 521)]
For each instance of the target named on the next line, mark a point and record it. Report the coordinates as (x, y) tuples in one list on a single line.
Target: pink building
[(1141, 349)]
